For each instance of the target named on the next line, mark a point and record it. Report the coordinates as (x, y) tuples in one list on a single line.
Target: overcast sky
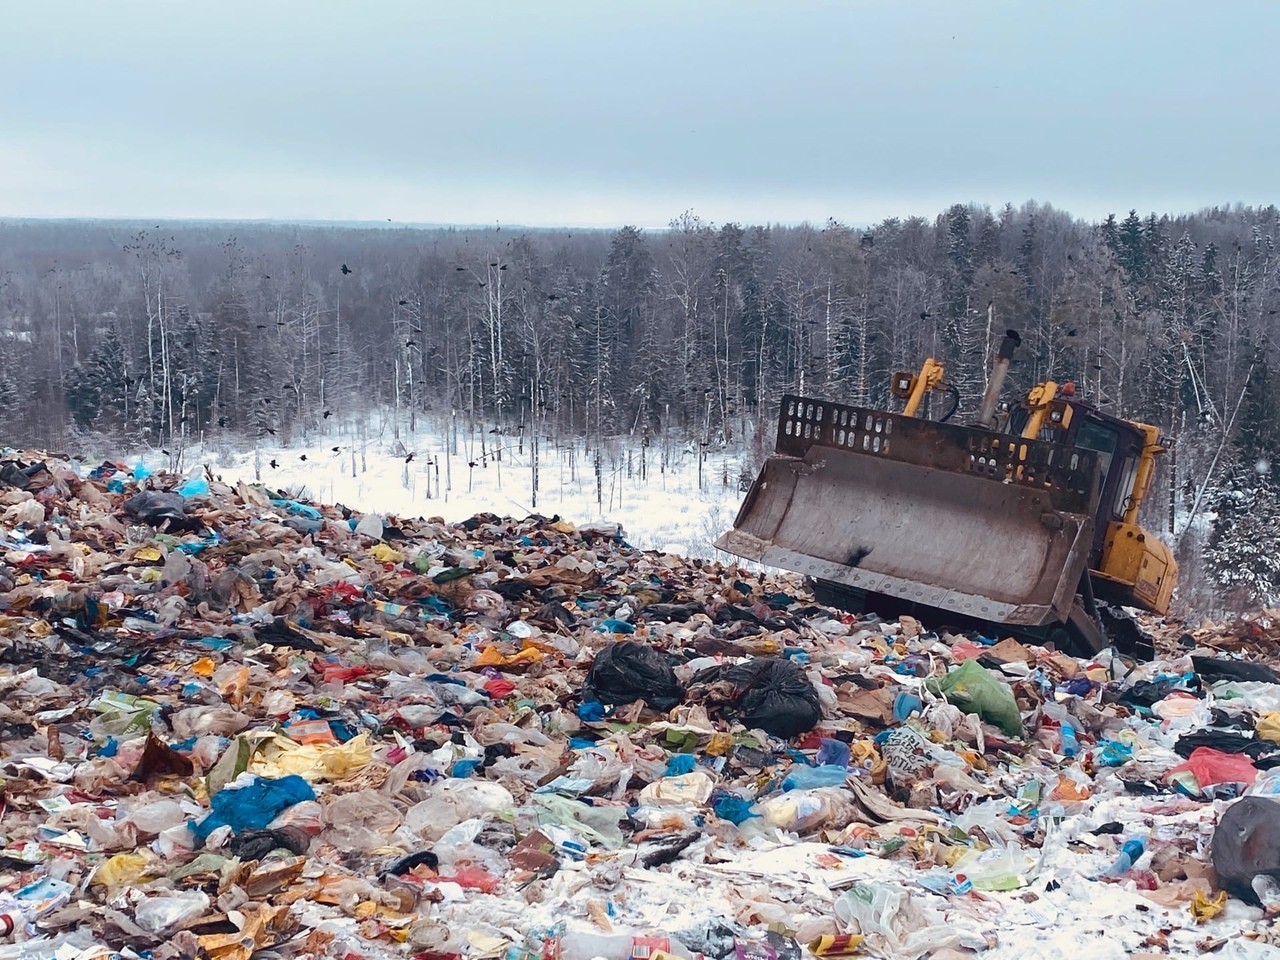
[(603, 112)]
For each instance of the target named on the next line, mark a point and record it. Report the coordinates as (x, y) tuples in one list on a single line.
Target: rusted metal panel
[(960, 518)]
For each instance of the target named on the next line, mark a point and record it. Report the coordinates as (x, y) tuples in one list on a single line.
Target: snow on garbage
[(236, 723)]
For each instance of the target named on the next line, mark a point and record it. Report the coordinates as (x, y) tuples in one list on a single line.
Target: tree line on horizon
[(161, 334)]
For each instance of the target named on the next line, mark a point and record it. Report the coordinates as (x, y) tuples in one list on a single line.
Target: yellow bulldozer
[(1024, 523)]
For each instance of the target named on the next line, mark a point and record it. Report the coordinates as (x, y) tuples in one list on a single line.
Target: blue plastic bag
[(681, 764), (731, 807), (805, 778), (253, 806), (195, 487), (835, 753)]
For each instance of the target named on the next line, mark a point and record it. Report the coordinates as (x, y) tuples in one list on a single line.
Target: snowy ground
[(655, 492)]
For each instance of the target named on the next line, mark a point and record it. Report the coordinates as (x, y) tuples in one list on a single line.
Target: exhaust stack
[(986, 417)]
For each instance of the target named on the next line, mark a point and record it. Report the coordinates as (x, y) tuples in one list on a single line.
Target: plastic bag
[(194, 487), (628, 671), (154, 817), (978, 691), (154, 507), (1246, 844), (201, 721), (124, 869), (769, 693), (1210, 766), (998, 868), (360, 821), (452, 801), (688, 788), (1212, 670), (1268, 727), (281, 757), (253, 805), (599, 825), (805, 778), (28, 512), (894, 923), (803, 811), (158, 914)]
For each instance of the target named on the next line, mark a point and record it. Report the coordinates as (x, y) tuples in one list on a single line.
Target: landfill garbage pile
[(233, 723)]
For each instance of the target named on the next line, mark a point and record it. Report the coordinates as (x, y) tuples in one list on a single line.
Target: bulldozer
[(1023, 523)]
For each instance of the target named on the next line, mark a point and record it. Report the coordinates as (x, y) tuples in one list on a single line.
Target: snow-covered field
[(655, 492)]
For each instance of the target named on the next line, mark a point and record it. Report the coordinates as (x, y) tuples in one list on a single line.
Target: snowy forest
[(155, 335)]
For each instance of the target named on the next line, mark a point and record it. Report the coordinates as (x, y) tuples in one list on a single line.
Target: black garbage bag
[(155, 507), (1246, 844), (628, 671), (770, 693), (1145, 693), (1211, 670), (1228, 741), (256, 844), (29, 476)]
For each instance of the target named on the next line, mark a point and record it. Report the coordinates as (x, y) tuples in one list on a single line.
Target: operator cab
[(1130, 567)]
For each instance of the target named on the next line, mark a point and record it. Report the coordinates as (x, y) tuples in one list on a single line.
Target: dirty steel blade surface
[(981, 523)]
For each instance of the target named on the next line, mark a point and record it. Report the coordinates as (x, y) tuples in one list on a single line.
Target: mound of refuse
[(234, 723)]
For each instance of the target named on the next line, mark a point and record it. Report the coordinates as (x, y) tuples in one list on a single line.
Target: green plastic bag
[(975, 690)]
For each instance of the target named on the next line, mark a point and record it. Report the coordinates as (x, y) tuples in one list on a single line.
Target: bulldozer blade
[(984, 524)]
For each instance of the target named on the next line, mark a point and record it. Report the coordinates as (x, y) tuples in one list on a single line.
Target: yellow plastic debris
[(122, 870), (719, 745), (1202, 908), (281, 757), (493, 657), (1268, 727), (836, 945), (385, 554)]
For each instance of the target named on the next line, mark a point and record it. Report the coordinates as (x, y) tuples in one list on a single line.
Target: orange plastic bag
[(474, 878)]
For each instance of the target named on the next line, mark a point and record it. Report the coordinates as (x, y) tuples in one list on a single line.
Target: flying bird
[(328, 414), (273, 464), (409, 458), (303, 457), (345, 269), (336, 449), (404, 303)]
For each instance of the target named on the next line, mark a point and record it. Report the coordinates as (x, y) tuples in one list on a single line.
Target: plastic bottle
[(1129, 854), (1070, 745)]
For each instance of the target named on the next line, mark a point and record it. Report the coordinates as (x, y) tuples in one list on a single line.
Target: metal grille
[(1007, 458)]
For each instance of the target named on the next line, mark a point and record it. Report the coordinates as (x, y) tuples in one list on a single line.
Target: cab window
[(1124, 489), (1102, 440)]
